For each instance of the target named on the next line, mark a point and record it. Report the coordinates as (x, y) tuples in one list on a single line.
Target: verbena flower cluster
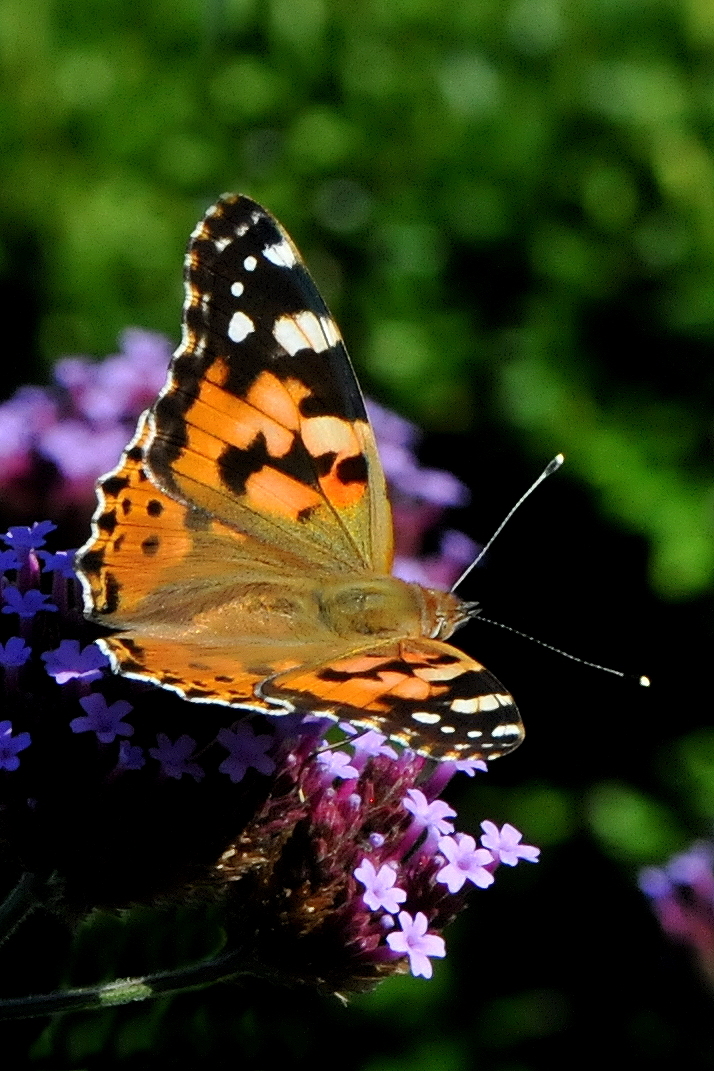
[(682, 897), (55, 442)]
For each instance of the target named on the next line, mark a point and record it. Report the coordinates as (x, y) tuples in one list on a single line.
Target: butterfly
[(241, 549)]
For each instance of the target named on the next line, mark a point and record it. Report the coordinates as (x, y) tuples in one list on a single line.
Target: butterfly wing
[(421, 693), (261, 422)]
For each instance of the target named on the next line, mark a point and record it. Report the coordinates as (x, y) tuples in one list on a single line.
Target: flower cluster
[(682, 897), (344, 843), (337, 862), (56, 441)]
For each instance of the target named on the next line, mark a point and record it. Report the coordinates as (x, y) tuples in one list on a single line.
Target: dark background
[(510, 207)]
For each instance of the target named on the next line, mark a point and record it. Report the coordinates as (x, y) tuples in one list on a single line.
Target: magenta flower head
[(682, 897)]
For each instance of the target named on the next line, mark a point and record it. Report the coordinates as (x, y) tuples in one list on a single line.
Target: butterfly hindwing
[(424, 694)]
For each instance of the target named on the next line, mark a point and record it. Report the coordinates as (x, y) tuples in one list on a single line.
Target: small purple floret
[(654, 882), (246, 749), (10, 745), (413, 940), (464, 862), (8, 560), (14, 653), (19, 537), (336, 764), (505, 844), (105, 721), (175, 757), (25, 605), (380, 890), (432, 815), (62, 562), (68, 662), (371, 744), (469, 766), (130, 757)]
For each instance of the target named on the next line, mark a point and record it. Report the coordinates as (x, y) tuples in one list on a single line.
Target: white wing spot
[(237, 289), (425, 718), (332, 332), (250, 263), (507, 730), (242, 229), (447, 728), (302, 331), (240, 326), (221, 243), (473, 734), (439, 673), (280, 254), (474, 705)]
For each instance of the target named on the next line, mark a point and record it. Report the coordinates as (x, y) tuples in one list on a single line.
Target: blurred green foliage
[(506, 200)]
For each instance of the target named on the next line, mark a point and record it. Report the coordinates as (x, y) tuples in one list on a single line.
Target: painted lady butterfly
[(242, 547)]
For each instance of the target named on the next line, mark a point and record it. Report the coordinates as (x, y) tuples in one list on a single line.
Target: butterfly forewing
[(262, 422)]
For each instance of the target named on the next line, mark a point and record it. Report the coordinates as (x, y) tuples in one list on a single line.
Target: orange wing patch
[(207, 675), (138, 532)]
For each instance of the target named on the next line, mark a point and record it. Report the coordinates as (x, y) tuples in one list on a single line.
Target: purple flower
[(80, 451), (20, 537), (465, 861), (27, 604), (380, 890), (62, 562), (415, 942), (469, 766), (654, 882), (431, 816), (336, 764), (14, 653), (10, 745), (505, 844), (8, 560), (371, 744), (68, 662), (105, 721), (246, 749), (175, 758), (694, 868), (130, 757)]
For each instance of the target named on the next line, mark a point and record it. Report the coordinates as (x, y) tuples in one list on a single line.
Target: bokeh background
[(509, 205)]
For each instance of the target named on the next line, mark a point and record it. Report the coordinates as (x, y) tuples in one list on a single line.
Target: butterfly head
[(444, 612)]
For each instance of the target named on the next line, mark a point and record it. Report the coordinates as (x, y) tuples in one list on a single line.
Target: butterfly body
[(242, 547)]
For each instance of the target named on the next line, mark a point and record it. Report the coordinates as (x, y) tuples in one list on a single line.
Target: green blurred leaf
[(631, 826)]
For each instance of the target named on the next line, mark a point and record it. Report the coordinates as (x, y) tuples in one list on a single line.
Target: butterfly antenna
[(549, 469), (644, 681)]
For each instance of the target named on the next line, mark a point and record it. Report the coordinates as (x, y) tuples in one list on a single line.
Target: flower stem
[(125, 990), (18, 904)]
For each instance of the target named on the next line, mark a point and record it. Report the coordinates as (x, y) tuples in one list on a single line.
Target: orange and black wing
[(424, 694), (261, 423)]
